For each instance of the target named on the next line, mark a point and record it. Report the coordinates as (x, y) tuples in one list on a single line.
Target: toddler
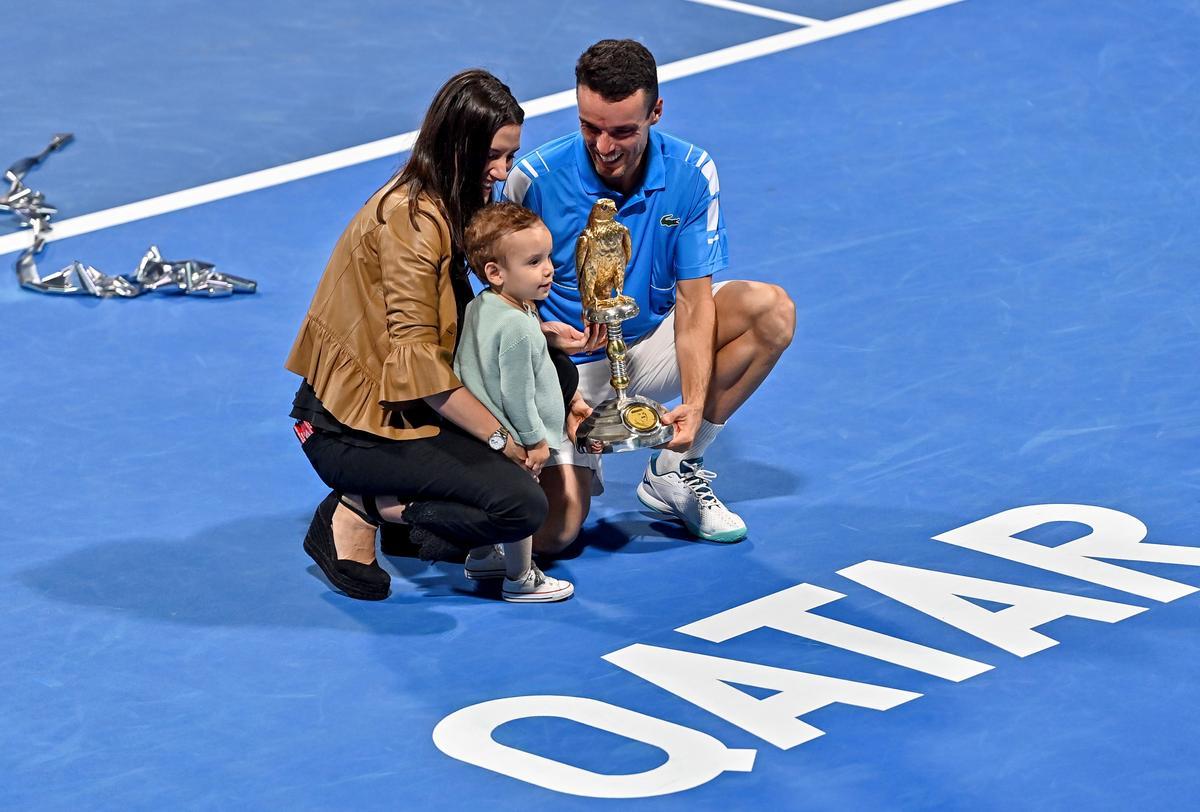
[(502, 359)]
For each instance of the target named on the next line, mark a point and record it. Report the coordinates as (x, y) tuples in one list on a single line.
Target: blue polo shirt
[(674, 221)]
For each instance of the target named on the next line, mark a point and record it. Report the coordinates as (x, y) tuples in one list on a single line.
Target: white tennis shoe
[(687, 495)]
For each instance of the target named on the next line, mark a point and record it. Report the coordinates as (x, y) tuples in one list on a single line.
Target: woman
[(380, 413)]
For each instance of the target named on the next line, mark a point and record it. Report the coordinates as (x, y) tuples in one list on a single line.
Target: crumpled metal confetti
[(154, 274), (187, 277)]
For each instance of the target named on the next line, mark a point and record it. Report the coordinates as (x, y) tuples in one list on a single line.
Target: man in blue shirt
[(712, 344)]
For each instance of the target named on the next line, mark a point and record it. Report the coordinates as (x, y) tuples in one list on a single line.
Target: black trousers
[(461, 489)]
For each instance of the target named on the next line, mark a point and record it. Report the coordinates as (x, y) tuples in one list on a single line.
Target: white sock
[(669, 460)]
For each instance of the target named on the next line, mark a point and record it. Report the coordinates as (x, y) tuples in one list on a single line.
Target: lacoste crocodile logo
[(669, 220)]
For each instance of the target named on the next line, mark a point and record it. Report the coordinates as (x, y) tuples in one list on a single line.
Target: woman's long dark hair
[(451, 150)]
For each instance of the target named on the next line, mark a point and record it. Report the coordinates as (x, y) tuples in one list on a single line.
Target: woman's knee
[(519, 507)]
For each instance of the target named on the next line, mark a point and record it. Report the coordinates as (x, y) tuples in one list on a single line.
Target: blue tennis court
[(986, 213)]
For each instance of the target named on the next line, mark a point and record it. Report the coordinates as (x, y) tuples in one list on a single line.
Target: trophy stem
[(616, 358)]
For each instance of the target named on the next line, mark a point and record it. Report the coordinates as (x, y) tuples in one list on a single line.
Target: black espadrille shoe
[(366, 582)]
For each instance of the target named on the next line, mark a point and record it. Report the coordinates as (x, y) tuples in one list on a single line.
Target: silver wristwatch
[(498, 440)]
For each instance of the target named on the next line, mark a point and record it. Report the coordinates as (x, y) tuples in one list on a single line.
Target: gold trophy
[(626, 422)]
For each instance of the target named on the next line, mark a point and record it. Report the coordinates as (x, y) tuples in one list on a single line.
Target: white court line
[(285, 173), (759, 11)]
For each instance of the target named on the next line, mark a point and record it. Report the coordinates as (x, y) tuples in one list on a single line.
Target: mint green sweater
[(502, 359)]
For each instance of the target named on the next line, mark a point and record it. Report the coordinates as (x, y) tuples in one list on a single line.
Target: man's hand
[(686, 420), (571, 340), (577, 412), (536, 456)]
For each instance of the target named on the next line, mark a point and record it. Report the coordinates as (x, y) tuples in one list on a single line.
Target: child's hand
[(536, 456)]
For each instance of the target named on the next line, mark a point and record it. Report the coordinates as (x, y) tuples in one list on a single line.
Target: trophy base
[(627, 424)]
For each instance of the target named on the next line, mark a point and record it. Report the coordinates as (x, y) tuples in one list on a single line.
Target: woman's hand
[(462, 408), (570, 340), (515, 452), (536, 456)]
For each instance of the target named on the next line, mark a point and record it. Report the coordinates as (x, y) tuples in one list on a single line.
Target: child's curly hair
[(491, 224)]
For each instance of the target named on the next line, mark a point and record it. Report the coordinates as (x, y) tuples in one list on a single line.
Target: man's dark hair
[(618, 68)]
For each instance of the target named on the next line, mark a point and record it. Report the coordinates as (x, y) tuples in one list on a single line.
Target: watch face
[(496, 441)]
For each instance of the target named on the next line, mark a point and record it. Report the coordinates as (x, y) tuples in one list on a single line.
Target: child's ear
[(493, 274)]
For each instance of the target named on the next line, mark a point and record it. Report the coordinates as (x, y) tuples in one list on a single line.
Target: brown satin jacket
[(380, 331)]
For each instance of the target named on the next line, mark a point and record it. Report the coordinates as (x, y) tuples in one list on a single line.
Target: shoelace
[(697, 479)]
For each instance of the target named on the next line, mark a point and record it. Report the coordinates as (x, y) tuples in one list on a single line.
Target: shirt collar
[(656, 170)]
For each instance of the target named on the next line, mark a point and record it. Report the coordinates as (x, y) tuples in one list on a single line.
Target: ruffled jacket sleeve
[(414, 255)]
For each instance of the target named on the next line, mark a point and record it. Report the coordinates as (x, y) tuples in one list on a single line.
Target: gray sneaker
[(486, 568)]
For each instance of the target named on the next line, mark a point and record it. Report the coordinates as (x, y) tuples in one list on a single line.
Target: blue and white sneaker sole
[(652, 502)]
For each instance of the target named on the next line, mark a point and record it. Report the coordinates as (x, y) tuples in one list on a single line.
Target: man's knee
[(568, 492), (553, 540), (774, 316), (766, 310), (783, 313)]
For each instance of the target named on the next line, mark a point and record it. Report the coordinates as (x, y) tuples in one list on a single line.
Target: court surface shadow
[(250, 572)]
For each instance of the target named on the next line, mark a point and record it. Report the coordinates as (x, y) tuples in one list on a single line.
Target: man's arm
[(695, 339), (700, 251)]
